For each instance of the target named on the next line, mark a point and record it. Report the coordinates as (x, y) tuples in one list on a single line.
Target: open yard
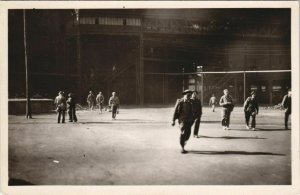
[(142, 148)]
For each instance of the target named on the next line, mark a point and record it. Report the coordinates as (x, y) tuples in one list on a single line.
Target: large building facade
[(149, 56)]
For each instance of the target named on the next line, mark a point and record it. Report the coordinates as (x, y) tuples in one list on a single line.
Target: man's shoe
[(183, 151), (253, 128), (247, 127)]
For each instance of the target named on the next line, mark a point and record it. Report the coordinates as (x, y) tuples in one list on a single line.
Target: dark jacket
[(197, 107), (183, 110), (251, 105), (226, 102), (71, 102), (286, 103)]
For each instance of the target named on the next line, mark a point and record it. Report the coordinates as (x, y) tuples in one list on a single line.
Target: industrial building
[(148, 56)]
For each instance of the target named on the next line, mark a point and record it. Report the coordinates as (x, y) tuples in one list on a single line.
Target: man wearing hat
[(90, 100), (251, 110), (286, 103), (184, 113), (197, 109), (60, 102), (227, 107), (71, 108)]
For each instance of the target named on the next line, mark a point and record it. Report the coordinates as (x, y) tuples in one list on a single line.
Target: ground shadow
[(18, 182), (258, 129), (211, 122), (229, 137), (233, 152)]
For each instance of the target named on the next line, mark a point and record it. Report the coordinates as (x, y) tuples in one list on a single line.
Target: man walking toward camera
[(184, 113), (251, 110), (197, 109), (114, 103), (227, 107)]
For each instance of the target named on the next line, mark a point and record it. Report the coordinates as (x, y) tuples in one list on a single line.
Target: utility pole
[(28, 103)]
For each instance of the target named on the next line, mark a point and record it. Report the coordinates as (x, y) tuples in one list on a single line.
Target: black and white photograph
[(137, 96)]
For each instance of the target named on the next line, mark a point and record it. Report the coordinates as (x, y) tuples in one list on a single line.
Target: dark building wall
[(218, 40)]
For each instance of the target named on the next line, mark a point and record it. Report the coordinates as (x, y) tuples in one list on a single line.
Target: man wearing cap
[(286, 103), (227, 107), (60, 102), (114, 103), (197, 110), (184, 113), (72, 108), (100, 101), (251, 110), (90, 100)]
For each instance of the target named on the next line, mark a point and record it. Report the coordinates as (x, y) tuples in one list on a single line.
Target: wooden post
[(28, 103)]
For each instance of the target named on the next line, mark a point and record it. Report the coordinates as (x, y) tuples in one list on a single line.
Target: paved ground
[(141, 148)]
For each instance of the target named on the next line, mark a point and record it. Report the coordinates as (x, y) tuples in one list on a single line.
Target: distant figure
[(251, 110), (114, 103), (184, 113), (100, 101), (227, 107), (60, 102), (213, 102), (90, 100), (197, 109), (286, 103), (72, 108)]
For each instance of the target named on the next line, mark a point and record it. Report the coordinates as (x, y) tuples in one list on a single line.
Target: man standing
[(72, 108), (60, 102), (90, 100), (100, 101), (227, 107), (184, 113), (213, 102), (197, 109), (286, 103), (251, 110), (114, 103)]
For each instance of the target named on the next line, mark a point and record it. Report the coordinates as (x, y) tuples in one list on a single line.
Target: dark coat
[(251, 105), (287, 103), (183, 110), (197, 108)]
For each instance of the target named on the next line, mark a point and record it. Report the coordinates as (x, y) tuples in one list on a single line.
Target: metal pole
[(244, 86), (202, 84), (78, 56), (28, 104), (182, 79)]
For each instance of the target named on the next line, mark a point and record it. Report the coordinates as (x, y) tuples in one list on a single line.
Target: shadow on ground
[(18, 182), (233, 152), (229, 137)]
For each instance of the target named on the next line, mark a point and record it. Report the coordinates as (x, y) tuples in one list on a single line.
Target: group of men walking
[(62, 105), (188, 112)]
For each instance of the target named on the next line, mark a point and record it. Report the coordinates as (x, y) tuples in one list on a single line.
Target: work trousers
[(72, 115), (61, 114), (225, 117), (196, 125), (114, 109), (286, 118), (185, 128), (247, 117)]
